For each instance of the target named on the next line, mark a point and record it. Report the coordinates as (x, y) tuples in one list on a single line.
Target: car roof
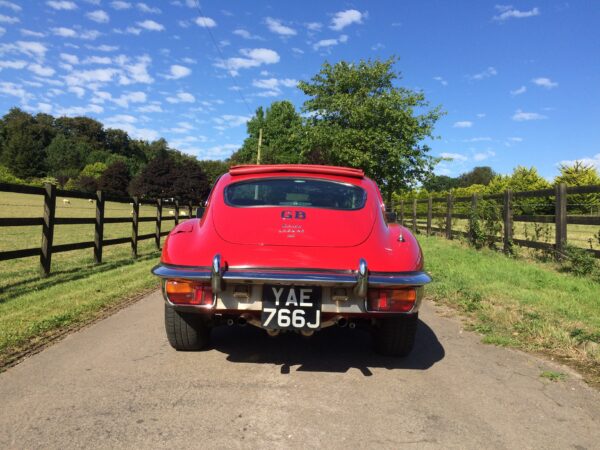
[(249, 169)]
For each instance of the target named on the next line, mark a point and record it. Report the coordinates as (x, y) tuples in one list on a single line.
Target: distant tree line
[(79, 153)]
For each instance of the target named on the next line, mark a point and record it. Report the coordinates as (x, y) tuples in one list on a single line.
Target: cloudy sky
[(520, 84)]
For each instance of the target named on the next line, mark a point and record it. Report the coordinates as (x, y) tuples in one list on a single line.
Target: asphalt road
[(118, 384)]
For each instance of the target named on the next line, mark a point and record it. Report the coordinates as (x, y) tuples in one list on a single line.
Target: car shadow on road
[(330, 350)]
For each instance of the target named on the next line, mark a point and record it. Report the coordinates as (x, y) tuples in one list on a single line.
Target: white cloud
[(17, 65), (79, 110), (508, 12), (60, 5), (2, 31), (482, 156), (274, 83), (150, 25), (148, 9), (515, 139), (230, 121), (518, 91), (246, 34), (78, 91), (10, 5), (87, 77), (254, 57), (481, 115), (298, 51), (487, 73), (325, 43), (97, 60), (71, 59), (103, 48), (98, 16), (441, 80), (342, 19), (8, 19), (314, 26), (275, 26), (544, 82), (454, 156), (26, 32), (126, 123), (205, 22), (588, 161), (29, 48), (136, 72), (218, 151), (152, 108), (463, 124), (182, 97), (478, 139), (41, 71), (120, 5), (522, 116), (178, 71), (15, 90), (71, 33)]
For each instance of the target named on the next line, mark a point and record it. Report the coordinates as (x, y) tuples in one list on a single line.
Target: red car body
[(364, 270)]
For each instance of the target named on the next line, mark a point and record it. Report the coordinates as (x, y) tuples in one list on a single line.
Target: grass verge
[(516, 303)]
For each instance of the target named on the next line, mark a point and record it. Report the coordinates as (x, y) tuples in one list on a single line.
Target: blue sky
[(520, 83)]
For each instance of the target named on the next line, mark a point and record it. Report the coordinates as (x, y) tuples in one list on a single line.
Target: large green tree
[(358, 116), (282, 135), (580, 174)]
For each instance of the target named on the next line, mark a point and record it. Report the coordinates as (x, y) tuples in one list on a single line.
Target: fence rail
[(409, 214), (48, 222)]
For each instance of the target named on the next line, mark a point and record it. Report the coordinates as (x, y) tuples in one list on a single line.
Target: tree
[(358, 117), (580, 174), (65, 157), (94, 170), (523, 179), (213, 169), (189, 183), (478, 175), (24, 142), (281, 139), (440, 183), (115, 179)]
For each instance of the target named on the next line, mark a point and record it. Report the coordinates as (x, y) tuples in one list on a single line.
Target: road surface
[(118, 384)]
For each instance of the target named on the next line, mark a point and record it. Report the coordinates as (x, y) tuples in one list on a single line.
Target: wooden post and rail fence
[(49, 221), (420, 219)]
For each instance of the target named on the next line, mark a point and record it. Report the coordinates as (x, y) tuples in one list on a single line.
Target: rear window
[(295, 192)]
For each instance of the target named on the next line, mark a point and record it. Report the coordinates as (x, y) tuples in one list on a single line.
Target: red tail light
[(392, 300), (182, 292)]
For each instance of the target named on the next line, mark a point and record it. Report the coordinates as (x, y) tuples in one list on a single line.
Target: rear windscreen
[(295, 192)]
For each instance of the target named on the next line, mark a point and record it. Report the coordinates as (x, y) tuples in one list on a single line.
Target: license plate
[(291, 307)]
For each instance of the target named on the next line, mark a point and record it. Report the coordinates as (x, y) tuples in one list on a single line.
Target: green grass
[(77, 290), (518, 303), (553, 376)]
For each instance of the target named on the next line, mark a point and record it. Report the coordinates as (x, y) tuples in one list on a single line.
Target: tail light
[(392, 300), (182, 292)]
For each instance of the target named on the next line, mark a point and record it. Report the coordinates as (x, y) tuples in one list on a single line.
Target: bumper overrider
[(234, 293)]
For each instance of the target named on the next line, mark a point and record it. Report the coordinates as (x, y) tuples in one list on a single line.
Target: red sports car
[(292, 248)]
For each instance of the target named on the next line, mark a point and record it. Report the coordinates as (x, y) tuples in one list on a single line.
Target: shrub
[(579, 261)]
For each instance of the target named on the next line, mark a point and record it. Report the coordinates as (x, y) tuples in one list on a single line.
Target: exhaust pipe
[(342, 322), (352, 325), (229, 322), (242, 321)]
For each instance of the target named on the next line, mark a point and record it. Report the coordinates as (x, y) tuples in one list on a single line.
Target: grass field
[(77, 290), (518, 303)]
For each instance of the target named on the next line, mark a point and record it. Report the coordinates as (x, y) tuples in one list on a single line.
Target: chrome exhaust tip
[(342, 322), (352, 325), (230, 322)]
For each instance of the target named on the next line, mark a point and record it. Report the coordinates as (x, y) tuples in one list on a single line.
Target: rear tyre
[(395, 336), (186, 331)]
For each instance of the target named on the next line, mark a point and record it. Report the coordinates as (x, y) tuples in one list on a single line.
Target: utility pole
[(259, 145)]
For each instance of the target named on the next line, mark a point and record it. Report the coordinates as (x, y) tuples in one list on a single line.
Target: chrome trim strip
[(374, 279)]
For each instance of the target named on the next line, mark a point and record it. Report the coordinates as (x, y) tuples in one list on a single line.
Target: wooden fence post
[(429, 214), (134, 227), (474, 201), (176, 212), (507, 214), (560, 218), (99, 227), (402, 212), (190, 209), (158, 221), (48, 229), (449, 205), (414, 216)]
